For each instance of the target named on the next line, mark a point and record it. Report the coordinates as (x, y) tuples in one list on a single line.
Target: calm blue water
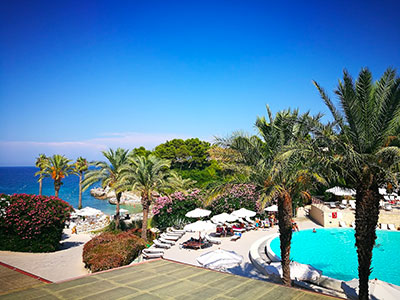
[(333, 251), (22, 180)]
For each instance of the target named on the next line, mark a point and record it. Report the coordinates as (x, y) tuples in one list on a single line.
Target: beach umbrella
[(297, 271), (220, 259), (123, 211), (382, 191), (222, 218), (200, 226), (272, 208), (378, 289), (243, 213), (198, 213), (88, 212), (339, 191)]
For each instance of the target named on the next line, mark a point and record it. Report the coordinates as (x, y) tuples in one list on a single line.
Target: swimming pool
[(333, 251)]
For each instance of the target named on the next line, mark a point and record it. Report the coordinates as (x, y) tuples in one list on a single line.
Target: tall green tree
[(264, 159), (109, 175), (145, 175), (367, 123), (57, 168), (81, 166), (41, 163)]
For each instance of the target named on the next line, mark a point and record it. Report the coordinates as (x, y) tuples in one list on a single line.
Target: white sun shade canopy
[(220, 259), (378, 289), (198, 213), (339, 191), (272, 208), (243, 213), (200, 226), (224, 217)]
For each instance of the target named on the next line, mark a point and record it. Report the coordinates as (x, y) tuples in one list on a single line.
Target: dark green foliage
[(205, 176), (110, 250), (141, 151), (184, 154), (31, 223)]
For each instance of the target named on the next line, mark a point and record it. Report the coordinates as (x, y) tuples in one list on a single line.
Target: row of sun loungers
[(388, 226), (165, 241)]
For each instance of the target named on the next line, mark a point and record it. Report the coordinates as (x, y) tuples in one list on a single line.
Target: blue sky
[(77, 77)]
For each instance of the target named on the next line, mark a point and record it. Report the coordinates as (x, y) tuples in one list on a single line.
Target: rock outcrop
[(107, 193)]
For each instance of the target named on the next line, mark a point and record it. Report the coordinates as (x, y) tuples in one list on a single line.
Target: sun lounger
[(332, 205), (171, 229), (158, 244), (342, 224), (212, 239), (343, 205), (170, 237), (353, 224), (384, 226), (235, 237), (153, 249), (162, 240), (239, 229), (388, 207), (152, 255), (391, 227), (353, 206)]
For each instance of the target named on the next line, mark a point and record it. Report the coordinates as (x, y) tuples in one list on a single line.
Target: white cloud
[(24, 153)]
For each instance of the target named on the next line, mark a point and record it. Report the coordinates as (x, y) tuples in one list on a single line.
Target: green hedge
[(110, 250), (31, 223)]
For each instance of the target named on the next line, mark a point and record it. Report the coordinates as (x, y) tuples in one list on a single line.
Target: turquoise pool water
[(333, 251)]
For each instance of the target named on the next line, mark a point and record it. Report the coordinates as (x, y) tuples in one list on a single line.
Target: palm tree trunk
[(40, 186), (367, 214), (56, 187), (285, 230), (80, 191), (117, 217), (145, 204)]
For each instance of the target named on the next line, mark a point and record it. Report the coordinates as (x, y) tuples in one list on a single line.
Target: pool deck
[(162, 279)]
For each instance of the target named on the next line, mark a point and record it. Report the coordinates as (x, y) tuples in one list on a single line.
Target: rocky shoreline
[(127, 198)]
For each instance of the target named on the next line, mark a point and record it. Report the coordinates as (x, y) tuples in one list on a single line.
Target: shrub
[(235, 197), (171, 210), (110, 250), (32, 223)]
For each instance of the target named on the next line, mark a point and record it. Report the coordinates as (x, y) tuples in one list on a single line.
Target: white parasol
[(200, 226), (220, 259), (339, 191), (243, 213), (88, 212), (222, 218), (378, 289), (272, 208), (198, 213), (297, 271)]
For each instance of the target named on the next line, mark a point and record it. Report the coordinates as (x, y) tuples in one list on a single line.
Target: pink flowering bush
[(170, 210), (235, 197), (32, 223)]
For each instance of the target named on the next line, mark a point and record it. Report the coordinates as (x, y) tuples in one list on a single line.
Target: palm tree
[(266, 163), (41, 163), (146, 175), (81, 166), (368, 122), (109, 174), (57, 168)]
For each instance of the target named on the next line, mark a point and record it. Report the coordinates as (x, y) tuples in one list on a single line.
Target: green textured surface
[(162, 279)]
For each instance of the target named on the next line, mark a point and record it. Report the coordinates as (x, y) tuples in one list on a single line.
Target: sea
[(23, 180)]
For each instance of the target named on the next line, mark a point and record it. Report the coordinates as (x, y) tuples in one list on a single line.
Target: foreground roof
[(162, 279)]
